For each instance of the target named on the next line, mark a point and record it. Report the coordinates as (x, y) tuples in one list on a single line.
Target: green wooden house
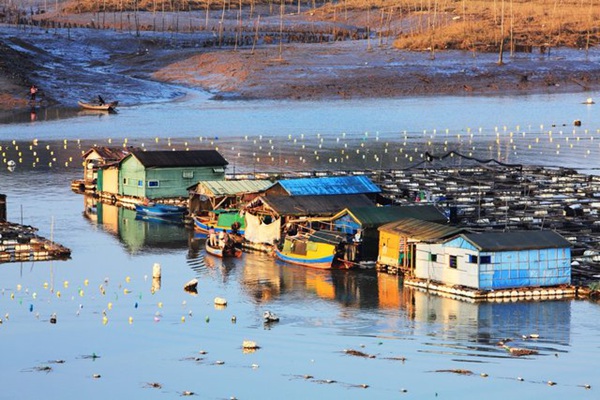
[(168, 174)]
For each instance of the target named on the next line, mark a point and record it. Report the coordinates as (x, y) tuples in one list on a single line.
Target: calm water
[(105, 304)]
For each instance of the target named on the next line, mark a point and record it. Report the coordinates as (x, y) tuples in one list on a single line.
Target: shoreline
[(67, 68)]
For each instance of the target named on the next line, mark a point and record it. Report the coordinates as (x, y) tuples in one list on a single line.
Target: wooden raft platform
[(21, 243)]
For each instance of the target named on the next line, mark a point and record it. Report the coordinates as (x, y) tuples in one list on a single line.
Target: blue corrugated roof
[(359, 184)]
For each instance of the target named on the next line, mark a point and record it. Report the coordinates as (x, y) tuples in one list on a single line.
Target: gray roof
[(181, 158), (314, 205), (424, 231), (108, 154), (374, 216), (234, 187), (516, 240), (334, 185)]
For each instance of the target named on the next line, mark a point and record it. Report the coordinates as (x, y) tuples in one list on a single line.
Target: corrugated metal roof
[(359, 184), (108, 153), (226, 187), (516, 240), (314, 205), (422, 230), (192, 158), (376, 216)]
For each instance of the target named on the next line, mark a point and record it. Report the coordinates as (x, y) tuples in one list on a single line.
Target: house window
[(153, 184), (125, 181), (141, 183), (472, 259), (453, 262), (218, 170), (485, 259), (432, 257), (188, 174)]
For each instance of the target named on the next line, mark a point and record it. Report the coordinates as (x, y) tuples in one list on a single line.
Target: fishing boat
[(97, 106), (319, 249), (229, 221), (160, 210), (227, 251)]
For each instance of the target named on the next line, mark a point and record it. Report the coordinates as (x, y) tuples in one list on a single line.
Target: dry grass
[(480, 25)]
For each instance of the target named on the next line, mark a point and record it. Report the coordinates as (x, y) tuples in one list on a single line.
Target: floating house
[(496, 260), (93, 160), (214, 194), (398, 241), (160, 174), (367, 220), (266, 210)]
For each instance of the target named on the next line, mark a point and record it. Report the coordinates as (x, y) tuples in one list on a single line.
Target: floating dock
[(501, 295)]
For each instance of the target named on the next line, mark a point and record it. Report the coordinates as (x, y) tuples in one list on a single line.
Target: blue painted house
[(497, 260)]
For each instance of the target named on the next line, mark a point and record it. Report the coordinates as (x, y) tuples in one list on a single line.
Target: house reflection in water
[(264, 280), (135, 234), (490, 322)]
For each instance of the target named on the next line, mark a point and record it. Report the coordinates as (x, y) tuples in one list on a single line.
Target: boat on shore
[(227, 251), (97, 106), (320, 249), (160, 210), (229, 221)]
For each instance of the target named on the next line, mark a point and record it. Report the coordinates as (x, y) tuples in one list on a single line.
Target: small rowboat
[(226, 252), (97, 106)]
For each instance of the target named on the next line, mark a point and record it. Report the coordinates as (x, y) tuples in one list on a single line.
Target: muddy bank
[(352, 69), (81, 63)]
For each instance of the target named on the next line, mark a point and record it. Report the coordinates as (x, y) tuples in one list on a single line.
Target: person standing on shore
[(33, 93)]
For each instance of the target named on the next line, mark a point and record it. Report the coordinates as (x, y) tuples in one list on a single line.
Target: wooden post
[(2, 208)]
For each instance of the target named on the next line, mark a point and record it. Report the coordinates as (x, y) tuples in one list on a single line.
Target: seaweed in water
[(358, 353)]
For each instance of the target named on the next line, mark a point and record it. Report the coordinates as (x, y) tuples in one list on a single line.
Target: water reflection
[(38, 114), (136, 234)]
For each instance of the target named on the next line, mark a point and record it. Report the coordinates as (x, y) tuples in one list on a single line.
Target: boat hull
[(160, 210), (202, 225), (98, 107), (218, 252), (323, 262)]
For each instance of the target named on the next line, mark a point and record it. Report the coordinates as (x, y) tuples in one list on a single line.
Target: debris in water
[(518, 351), (220, 301), (456, 371), (551, 383), (188, 393), (358, 353), (96, 376), (53, 318), (268, 316), (43, 368), (153, 385), (191, 287), (250, 345), (396, 358)]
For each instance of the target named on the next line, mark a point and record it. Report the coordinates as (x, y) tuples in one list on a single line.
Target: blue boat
[(160, 210)]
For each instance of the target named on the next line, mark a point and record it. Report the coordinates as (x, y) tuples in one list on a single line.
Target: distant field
[(475, 25)]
